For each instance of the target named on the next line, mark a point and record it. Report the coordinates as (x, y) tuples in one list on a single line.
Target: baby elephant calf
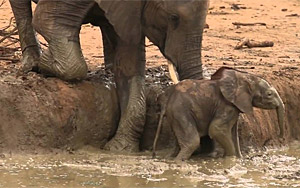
[(197, 108)]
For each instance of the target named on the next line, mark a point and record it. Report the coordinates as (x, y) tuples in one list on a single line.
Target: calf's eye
[(269, 93)]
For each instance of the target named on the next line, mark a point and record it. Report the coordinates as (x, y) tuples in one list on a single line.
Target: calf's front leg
[(220, 129)]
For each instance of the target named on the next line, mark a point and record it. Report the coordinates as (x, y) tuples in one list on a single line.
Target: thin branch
[(249, 24), (9, 34), (2, 3), (44, 44), (251, 44), (9, 59), (3, 48), (151, 44), (11, 38), (10, 22), (14, 42)]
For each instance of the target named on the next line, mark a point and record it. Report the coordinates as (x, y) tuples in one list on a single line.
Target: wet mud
[(90, 167), (40, 114)]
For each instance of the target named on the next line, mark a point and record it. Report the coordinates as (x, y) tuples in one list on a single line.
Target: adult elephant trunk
[(186, 57), (59, 23), (190, 64), (280, 115), (177, 29)]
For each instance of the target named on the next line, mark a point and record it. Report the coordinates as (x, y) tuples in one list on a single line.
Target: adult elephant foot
[(30, 60), (133, 110)]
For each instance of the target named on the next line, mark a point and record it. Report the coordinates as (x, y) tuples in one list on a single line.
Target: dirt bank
[(46, 113), (43, 114)]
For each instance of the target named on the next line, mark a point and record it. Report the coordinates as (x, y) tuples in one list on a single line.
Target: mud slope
[(38, 113)]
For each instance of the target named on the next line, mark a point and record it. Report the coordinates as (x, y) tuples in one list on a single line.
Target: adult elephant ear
[(125, 17), (235, 89)]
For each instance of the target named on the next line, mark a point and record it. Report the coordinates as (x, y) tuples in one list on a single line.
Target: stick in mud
[(252, 44), (9, 59), (249, 24)]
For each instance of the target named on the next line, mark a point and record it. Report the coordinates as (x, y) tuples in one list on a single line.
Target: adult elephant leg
[(129, 68), (50, 65), (109, 45), (59, 22), (64, 59), (29, 44)]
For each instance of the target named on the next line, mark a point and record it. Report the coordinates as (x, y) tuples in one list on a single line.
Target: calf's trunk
[(280, 115)]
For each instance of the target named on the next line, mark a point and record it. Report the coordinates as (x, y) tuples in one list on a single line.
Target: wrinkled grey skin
[(176, 27), (196, 108), (29, 44)]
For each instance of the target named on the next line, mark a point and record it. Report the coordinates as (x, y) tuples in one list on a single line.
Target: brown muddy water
[(89, 168)]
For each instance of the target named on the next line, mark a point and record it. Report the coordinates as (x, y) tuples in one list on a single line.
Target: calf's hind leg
[(187, 137)]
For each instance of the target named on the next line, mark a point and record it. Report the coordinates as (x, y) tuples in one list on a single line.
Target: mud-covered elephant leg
[(187, 135), (188, 142), (129, 73), (59, 23), (221, 133), (220, 129), (29, 44)]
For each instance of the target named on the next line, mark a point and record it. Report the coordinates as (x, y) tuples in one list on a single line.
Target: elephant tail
[(162, 114)]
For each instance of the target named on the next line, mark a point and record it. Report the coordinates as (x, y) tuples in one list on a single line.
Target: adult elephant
[(176, 27)]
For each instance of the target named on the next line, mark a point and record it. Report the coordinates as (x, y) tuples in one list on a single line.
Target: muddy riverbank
[(43, 114)]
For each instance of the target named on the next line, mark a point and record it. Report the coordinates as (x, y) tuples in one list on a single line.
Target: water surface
[(89, 168)]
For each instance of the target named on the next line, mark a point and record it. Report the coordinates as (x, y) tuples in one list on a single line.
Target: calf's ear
[(235, 89)]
